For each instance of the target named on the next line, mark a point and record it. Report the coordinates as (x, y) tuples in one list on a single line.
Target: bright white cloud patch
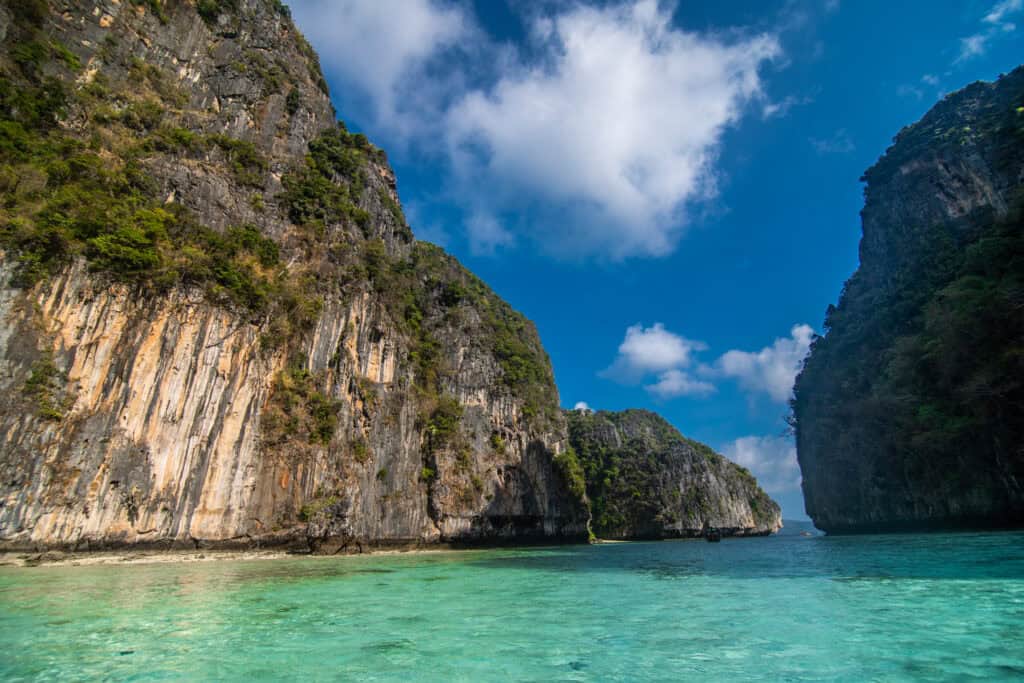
[(664, 362), (654, 352), (652, 349), (771, 370), (380, 46), (614, 130), (582, 406), (772, 460), (603, 129)]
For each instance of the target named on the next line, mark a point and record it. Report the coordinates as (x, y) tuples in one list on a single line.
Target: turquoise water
[(936, 607)]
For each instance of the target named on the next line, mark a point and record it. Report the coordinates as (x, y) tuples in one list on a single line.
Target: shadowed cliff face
[(645, 480), (910, 411), (217, 327)]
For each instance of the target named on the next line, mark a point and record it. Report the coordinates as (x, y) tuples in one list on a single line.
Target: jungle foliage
[(922, 363)]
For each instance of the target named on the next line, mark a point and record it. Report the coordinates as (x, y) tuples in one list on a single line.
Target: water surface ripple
[(930, 607)]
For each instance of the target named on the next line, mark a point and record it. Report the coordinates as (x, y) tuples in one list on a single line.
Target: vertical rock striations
[(910, 410), (217, 327), (645, 480)]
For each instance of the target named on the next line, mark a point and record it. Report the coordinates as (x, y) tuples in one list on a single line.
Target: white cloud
[(930, 79), (771, 459), (782, 107), (972, 46), (654, 351), (603, 128), (1001, 10), (771, 370), (839, 143), (997, 21), (673, 383), (613, 131), (583, 407), (380, 46)]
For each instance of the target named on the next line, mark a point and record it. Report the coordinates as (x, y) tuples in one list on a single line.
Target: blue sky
[(668, 190)]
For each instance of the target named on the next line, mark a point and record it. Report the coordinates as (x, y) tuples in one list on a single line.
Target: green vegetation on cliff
[(327, 188), (184, 222), (645, 479), (43, 385), (77, 160), (83, 191), (299, 408)]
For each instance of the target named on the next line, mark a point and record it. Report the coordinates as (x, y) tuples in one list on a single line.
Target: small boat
[(712, 534)]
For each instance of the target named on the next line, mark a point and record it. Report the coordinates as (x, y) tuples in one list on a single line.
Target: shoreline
[(156, 555), (93, 558)]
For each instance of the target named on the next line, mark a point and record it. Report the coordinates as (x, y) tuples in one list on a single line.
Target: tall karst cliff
[(645, 480), (910, 410), (217, 327)]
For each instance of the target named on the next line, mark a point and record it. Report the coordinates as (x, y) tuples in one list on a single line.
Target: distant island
[(645, 480)]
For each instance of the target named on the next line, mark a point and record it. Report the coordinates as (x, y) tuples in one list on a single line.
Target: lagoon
[(937, 606)]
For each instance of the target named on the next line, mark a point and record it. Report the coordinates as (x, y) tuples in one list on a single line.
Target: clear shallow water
[(935, 607)]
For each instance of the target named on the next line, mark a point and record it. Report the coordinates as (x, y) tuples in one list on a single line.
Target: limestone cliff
[(645, 480), (216, 326), (909, 412)]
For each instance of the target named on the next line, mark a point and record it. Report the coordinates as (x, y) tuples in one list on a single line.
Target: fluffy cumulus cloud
[(771, 459), (998, 20), (653, 349), (615, 128), (603, 127), (656, 352), (583, 407), (773, 369), (382, 47), (666, 364)]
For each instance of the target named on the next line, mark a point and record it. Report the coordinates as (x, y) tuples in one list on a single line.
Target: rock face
[(909, 412), (217, 328), (645, 480)]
